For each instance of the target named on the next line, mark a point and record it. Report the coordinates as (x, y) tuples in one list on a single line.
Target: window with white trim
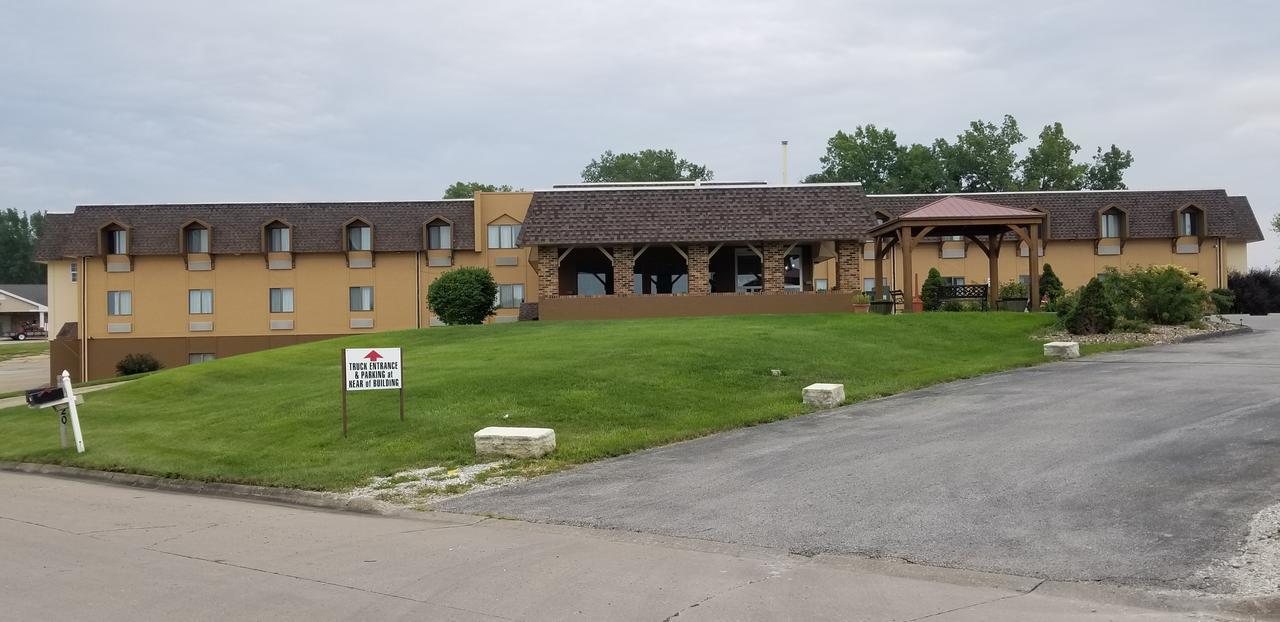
[(278, 239), (120, 302), (503, 236), (281, 299), (1112, 224), (821, 285), (197, 240), (360, 298), (953, 280), (117, 242), (199, 301), (199, 357), (75, 271), (359, 237), (439, 236), (509, 296)]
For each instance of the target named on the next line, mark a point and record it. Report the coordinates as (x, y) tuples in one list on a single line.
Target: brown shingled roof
[(237, 227), (1073, 215), (698, 214), (1245, 218)]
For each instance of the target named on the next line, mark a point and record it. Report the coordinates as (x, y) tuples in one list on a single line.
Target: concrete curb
[(290, 496)]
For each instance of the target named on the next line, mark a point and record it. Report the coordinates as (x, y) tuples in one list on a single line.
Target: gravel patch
[(419, 487), (1255, 569), (1159, 334)]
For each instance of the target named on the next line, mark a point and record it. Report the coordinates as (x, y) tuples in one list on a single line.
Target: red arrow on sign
[(373, 355)]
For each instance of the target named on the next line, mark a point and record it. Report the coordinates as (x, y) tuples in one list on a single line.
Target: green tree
[(869, 155), (982, 159), (1050, 165), (931, 291), (1050, 284), (467, 189), (463, 296), (645, 165), (18, 235), (1107, 170), (1093, 313), (920, 170)]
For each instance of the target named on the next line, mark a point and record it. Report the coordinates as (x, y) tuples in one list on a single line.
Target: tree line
[(18, 235), (984, 157)]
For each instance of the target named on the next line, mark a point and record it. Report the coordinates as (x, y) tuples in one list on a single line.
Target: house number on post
[(371, 369)]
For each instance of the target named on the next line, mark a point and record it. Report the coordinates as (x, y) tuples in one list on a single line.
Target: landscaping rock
[(824, 395), (1062, 349), (515, 442)]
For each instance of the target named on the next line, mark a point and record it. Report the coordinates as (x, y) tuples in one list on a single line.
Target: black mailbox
[(44, 395)]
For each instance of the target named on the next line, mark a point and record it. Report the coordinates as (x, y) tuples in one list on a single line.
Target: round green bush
[(463, 296), (137, 364)]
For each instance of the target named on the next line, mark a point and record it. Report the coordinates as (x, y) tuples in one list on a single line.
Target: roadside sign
[(368, 369), (371, 369)]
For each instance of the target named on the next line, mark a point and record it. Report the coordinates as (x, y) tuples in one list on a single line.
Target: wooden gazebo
[(984, 224)]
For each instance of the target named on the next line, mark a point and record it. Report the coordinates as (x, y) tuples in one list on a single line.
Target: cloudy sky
[(162, 101)]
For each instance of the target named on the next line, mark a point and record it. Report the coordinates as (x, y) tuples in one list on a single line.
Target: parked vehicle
[(29, 330)]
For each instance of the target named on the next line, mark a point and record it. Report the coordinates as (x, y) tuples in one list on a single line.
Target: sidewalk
[(81, 550)]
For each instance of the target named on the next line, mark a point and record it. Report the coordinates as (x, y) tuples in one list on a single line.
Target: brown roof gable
[(1073, 215), (237, 227), (697, 214)]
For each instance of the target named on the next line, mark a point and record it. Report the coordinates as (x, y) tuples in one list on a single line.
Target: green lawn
[(607, 388), (19, 349)]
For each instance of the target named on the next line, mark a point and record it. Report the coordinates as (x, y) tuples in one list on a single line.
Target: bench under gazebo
[(983, 224)]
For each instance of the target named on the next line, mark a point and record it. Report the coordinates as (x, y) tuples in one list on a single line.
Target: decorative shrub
[(1050, 285), (1093, 313), (1157, 294), (861, 299), (1167, 295), (463, 296), (137, 364), (1013, 290), (1224, 301), (1256, 292), (931, 291), (960, 306)]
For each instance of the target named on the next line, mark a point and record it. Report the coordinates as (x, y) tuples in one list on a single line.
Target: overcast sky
[(163, 101)]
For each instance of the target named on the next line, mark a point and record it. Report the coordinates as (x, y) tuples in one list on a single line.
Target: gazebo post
[(1033, 258), (907, 240), (993, 270)]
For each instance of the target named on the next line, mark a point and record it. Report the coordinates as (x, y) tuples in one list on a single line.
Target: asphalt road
[(1136, 467), (22, 373), (74, 550)]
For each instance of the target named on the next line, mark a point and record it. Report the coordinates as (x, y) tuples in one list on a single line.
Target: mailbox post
[(63, 401)]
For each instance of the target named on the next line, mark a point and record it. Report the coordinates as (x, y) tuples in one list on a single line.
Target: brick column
[(548, 272), (849, 266), (775, 277), (624, 270), (699, 270)]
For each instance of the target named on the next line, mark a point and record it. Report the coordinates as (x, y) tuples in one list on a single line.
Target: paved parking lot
[(1137, 467)]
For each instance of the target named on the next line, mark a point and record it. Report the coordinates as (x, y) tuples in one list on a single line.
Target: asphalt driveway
[(1138, 467)]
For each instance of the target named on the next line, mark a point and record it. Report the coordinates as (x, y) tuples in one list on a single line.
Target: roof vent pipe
[(784, 162)]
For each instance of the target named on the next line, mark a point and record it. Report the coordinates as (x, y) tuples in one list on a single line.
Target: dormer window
[(1111, 223), (1191, 221), (359, 236), (116, 240), (279, 238), (196, 238), (503, 236), (881, 217), (439, 235)]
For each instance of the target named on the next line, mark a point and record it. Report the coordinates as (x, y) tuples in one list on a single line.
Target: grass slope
[(21, 349), (607, 388)]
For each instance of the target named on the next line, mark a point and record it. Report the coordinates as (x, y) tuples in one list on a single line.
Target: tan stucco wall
[(1075, 261), (64, 296)]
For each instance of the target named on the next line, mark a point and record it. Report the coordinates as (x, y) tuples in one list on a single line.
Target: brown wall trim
[(610, 307)]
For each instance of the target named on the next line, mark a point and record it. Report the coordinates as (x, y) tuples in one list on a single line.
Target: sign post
[(371, 369)]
